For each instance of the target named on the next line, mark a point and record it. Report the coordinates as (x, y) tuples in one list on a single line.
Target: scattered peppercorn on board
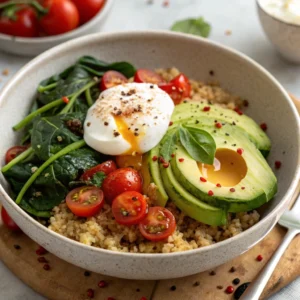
[(56, 279)]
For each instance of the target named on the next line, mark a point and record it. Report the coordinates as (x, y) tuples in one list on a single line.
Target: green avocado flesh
[(205, 201), (193, 112)]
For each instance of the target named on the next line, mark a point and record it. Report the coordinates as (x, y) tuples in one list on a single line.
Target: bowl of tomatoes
[(30, 27)]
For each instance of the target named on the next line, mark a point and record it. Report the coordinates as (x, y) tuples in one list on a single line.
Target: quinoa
[(103, 231)]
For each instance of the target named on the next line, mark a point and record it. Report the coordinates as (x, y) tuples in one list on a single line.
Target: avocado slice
[(257, 187), (151, 174), (193, 112), (189, 204)]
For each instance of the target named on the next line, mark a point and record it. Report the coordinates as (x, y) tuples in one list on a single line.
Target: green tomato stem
[(16, 160), (88, 96), (37, 112), (48, 162), (76, 95)]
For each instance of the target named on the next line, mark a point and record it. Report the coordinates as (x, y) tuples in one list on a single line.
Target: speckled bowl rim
[(186, 39), (274, 18), (81, 30)]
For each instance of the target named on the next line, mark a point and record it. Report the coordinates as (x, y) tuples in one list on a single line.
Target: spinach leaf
[(168, 144), (51, 134), (198, 143), (98, 67), (96, 180), (193, 26), (27, 207), (77, 78)]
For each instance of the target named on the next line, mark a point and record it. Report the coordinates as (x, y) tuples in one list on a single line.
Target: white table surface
[(239, 16)]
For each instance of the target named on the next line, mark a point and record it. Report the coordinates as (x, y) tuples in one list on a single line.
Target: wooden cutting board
[(67, 282)]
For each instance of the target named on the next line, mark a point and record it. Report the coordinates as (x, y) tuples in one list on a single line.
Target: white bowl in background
[(196, 57), (283, 35), (33, 46)]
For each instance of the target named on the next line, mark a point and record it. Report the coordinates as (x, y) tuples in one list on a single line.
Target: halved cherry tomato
[(178, 88), (8, 221), (13, 152), (63, 16), (120, 181), (129, 208), (148, 76), (85, 201), (88, 8), (134, 161), (24, 24), (112, 78), (158, 225), (106, 167)]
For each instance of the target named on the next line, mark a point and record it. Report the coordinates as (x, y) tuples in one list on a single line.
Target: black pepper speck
[(173, 288)]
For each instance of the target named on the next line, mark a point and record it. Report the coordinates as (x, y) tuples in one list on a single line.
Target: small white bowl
[(283, 35), (34, 46), (196, 57)]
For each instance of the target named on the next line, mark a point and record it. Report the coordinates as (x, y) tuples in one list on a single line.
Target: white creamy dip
[(285, 10)]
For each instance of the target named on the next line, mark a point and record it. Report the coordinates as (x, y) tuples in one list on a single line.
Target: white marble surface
[(239, 16)]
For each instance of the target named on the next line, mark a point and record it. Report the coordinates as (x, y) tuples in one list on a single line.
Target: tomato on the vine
[(88, 8), (62, 16), (8, 221), (147, 76), (119, 181), (106, 167), (22, 23), (13, 152), (158, 225), (85, 201), (111, 79), (129, 208)]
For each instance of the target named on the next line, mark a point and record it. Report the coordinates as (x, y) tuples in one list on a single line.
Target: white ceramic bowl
[(34, 46), (284, 36), (196, 57)]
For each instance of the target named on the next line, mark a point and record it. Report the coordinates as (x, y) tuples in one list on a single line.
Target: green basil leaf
[(193, 26), (199, 144), (168, 144)]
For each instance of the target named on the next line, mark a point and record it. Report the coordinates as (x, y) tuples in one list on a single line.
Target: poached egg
[(128, 119)]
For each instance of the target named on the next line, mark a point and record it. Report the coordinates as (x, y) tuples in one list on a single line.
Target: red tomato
[(8, 221), (112, 78), (129, 208), (13, 152), (106, 167), (63, 16), (148, 76), (120, 181), (24, 25), (158, 224), (85, 201), (133, 161), (178, 88), (88, 8)]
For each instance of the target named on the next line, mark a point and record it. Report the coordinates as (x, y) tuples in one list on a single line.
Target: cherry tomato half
[(120, 181), (8, 221), (13, 152), (133, 161), (112, 78), (88, 8), (129, 208), (148, 76), (24, 23), (85, 201), (106, 167), (63, 16), (158, 224), (178, 88)]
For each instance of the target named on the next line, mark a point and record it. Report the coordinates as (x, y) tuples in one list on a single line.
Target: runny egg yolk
[(229, 168), (128, 134)]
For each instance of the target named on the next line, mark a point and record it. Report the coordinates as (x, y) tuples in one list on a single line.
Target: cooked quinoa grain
[(103, 231)]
